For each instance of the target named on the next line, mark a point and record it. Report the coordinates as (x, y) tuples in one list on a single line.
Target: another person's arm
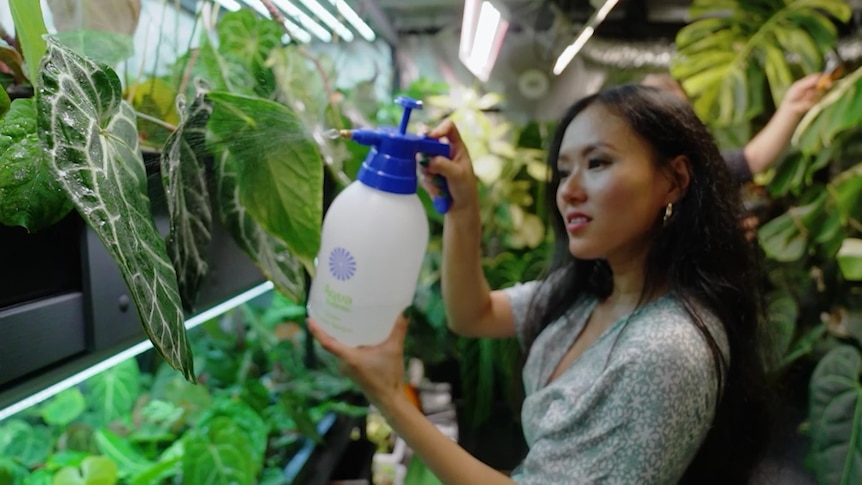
[(771, 141), (472, 309)]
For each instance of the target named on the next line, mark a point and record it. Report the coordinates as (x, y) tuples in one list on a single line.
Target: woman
[(642, 361)]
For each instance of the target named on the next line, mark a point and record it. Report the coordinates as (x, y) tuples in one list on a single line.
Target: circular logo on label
[(341, 264)]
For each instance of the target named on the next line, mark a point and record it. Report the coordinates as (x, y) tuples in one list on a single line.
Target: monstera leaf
[(835, 413), (89, 134), (840, 110), (279, 172), (183, 177), (721, 59)]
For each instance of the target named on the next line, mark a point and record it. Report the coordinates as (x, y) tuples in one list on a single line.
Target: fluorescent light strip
[(468, 28), (572, 50), (353, 18), (295, 31), (231, 5), (343, 32), (304, 20), (489, 20), (130, 352)]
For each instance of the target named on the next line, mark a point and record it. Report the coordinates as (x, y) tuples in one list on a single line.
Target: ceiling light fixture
[(482, 32), (572, 50)]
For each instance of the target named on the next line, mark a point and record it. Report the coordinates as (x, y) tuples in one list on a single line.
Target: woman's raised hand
[(458, 171)]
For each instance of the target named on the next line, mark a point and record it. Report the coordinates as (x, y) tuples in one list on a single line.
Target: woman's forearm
[(466, 294), (449, 462)]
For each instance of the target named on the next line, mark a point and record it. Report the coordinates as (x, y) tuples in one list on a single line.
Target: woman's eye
[(564, 173), (596, 162)]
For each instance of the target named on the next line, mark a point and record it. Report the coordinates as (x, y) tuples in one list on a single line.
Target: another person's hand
[(801, 96), (377, 369), (458, 170)]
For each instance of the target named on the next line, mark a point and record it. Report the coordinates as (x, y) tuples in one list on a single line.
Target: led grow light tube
[(482, 33), (231, 5), (354, 19), (130, 352), (343, 32), (295, 31), (304, 20), (572, 50)]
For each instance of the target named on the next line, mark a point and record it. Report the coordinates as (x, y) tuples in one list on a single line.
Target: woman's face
[(611, 193)]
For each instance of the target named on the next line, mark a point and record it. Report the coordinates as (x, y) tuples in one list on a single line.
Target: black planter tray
[(318, 463)]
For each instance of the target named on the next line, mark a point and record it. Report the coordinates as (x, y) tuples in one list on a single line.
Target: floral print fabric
[(632, 409)]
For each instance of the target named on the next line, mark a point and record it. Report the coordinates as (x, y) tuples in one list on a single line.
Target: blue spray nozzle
[(391, 164)]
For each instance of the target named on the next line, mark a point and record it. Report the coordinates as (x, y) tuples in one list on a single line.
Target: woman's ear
[(680, 176)]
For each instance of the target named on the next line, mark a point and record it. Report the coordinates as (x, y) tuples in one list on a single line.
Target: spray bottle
[(374, 238)]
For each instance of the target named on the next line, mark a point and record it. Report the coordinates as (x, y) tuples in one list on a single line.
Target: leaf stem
[(153, 119)]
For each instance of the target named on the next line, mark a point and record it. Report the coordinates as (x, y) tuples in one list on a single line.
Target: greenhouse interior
[(180, 179)]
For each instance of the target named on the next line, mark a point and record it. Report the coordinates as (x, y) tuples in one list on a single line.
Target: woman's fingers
[(446, 129), (327, 341)]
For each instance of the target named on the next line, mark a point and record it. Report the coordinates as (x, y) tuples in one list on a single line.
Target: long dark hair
[(702, 256)]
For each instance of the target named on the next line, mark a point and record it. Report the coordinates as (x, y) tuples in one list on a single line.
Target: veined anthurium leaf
[(835, 412), (30, 196), (270, 254), (220, 452), (183, 177), (92, 145), (279, 171)]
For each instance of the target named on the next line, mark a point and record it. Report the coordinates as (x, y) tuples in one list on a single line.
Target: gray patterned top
[(632, 409)]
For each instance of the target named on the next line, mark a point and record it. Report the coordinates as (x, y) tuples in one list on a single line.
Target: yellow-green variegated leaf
[(184, 180), (89, 134), (721, 54)]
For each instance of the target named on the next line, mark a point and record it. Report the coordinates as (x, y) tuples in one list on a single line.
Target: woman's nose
[(571, 187)]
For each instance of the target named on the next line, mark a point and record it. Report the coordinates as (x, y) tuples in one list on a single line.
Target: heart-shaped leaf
[(64, 408), (29, 195), (90, 136), (183, 177), (247, 39), (25, 443), (268, 252), (243, 416), (95, 470), (112, 393), (835, 414), (220, 453), (279, 172)]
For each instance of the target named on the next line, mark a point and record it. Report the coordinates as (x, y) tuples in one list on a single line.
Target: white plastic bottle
[(374, 238)]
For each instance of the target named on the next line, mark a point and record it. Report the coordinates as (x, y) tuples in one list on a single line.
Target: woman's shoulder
[(671, 329)]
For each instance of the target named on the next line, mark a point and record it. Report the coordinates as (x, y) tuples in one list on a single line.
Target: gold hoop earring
[(668, 211)]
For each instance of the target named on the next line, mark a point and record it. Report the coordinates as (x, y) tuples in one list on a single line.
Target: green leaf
[(90, 135), (219, 454), (64, 408), (781, 239), (5, 102), (129, 460), (783, 312), (29, 27), (243, 416), (167, 467), (789, 175), (12, 472), (184, 180), (95, 470), (29, 194), (25, 443), (12, 59), (838, 111), (279, 173), (108, 48), (835, 414), (113, 392), (850, 259), (268, 252), (247, 39)]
